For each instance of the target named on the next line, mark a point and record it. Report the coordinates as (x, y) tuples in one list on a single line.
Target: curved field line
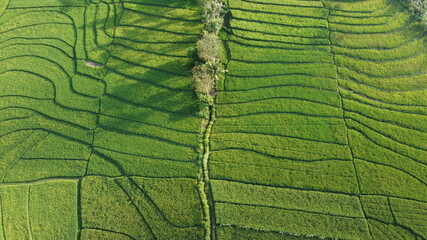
[(136, 155), (110, 231), (278, 98), (396, 168), (289, 209), (277, 112)]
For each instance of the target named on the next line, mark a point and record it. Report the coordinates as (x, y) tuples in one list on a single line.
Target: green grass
[(134, 115), (26, 214), (319, 129), (297, 222)]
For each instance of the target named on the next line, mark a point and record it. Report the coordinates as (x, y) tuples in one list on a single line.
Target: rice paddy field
[(319, 129)]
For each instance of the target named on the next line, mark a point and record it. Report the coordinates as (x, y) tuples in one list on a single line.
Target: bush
[(209, 47), (213, 15), (203, 81), (207, 55), (419, 8)]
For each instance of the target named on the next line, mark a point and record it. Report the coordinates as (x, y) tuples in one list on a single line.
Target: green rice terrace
[(313, 124)]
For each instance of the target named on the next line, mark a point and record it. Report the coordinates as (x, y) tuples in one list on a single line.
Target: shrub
[(207, 55), (419, 8), (203, 81), (209, 47), (213, 16)]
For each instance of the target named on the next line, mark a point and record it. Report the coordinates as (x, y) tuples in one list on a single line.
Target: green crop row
[(96, 40), (132, 112), (408, 50), (348, 20), (407, 66), (149, 213), (235, 232), (377, 207), (151, 96), (26, 213), (140, 128), (297, 106), (276, 19), (410, 214), (272, 69), (54, 146), (143, 145), (53, 55), (256, 168), (21, 83), (249, 83), (262, 54), (377, 40), (299, 9), (260, 36), (177, 20), (171, 49), (267, 28), (297, 222), (151, 61), (312, 201), (319, 132), (88, 86), (399, 21), (367, 149), (406, 116), (384, 180), (51, 109), (19, 166), (41, 122), (291, 92), (53, 73), (188, 5), (295, 43), (384, 137), (393, 84), (381, 230), (61, 47), (36, 169), (295, 3), (411, 102), (360, 8), (109, 163)]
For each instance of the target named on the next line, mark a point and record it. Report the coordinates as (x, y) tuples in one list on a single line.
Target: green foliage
[(377, 207), (384, 180), (411, 215), (109, 163), (419, 8), (209, 47), (208, 65), (39, 211), (322, 112), (213, 15), (106, 206), (231, 232), (313, 201), (297, 222), (53, 210), (53, 106), (204, 82), (141, 207)]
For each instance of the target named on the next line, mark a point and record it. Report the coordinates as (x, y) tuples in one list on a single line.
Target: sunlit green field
[(320, 129)]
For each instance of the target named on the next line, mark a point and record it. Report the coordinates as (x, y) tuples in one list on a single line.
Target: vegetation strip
[(208, 67)]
